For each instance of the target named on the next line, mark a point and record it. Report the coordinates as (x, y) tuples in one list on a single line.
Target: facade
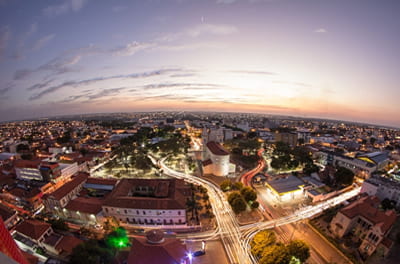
[(9, 216), (366, 222), (58, 199), (28, 170), (289, 138), (361, 168), (148, 202), (383, 188), (216, 160)]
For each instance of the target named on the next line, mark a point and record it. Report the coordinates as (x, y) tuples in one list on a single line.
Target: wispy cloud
[(132, 48), (75, 84), (60, 64), (320, 30), (40, 43), (199, 30), (39, 86), (4, 90), (21, 43), (256, 72), (64, 7), (4, 38)]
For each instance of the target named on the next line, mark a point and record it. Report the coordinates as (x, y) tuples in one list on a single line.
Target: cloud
[(42, 42), (7, 88), (320, 30), (4, 38), (256, 72), (21, 43), (191, 86), (39, 86), (63, 8), (60, 64), (199, 30), (75, 84), (107, 92), (132, 48), (211, 29)]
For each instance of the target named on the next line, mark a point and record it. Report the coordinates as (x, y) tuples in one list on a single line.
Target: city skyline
[(308, 58)]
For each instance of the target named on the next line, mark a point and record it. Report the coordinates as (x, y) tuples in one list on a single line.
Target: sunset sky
[(310, 58)]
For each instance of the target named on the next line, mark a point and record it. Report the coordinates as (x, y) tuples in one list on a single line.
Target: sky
[(309, 58)]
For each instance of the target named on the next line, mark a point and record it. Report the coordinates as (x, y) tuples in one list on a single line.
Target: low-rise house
[(9, 216), (383, 188), (61, 197), (366, 223)]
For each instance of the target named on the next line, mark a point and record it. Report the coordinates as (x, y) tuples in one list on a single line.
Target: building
[(57, 200), (361, 168), (289, 138), (379, 159), (287, 188), (9, 216), (155, 248), (28, 170), (383, 188), (148, 202), (36, 233), (367, 223), (216, 160)]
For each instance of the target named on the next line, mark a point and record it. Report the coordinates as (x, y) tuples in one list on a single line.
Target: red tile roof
[(6, 212), (27, 163), (68, 243), (33, 228), (69, 186), (168, 194), (101, 181), (368, 207), (85, 205), (217, 149)]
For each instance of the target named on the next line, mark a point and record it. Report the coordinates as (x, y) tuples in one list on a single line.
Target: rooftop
[(33, 228), (287, 184), (368, 207), (168, 194), (85, 205), (69, 186), (217, 149)]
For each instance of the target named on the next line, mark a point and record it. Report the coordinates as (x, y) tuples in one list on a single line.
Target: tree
[(226, 185), (117, 239), (248, 194), (388, 204), (238, 205), (234, 195), (91, 252), (262, 240), (237, 186), (299, 249), (275, 254), (59, 224), (344, 176), (255, 205)]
